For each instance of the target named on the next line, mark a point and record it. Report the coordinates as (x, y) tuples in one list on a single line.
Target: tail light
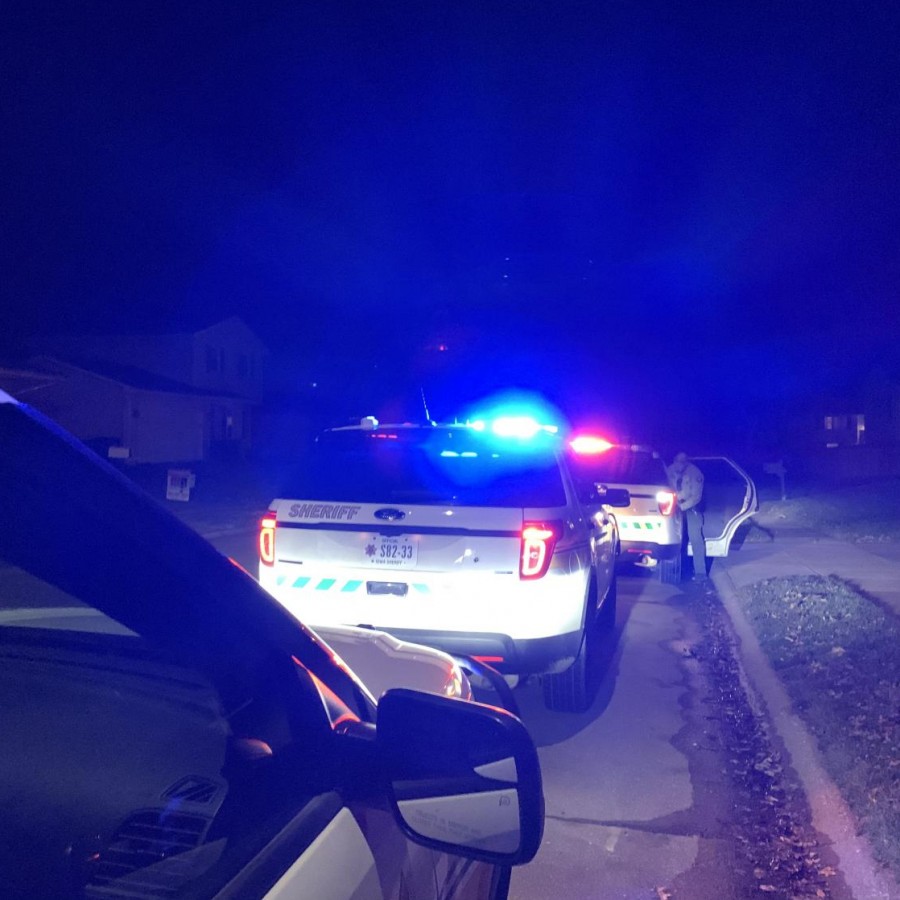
[(538, 541), (267, 538), (666, 502)]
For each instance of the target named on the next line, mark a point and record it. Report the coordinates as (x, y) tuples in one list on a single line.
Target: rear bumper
[(634, 549), (532, 656), (497, 605)]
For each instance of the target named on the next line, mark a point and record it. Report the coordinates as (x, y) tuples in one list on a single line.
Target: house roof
[(129, 376), (188, 325)]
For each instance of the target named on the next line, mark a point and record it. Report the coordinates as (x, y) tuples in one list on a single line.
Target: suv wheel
[(670, 569), (573, 689), (607, 615)]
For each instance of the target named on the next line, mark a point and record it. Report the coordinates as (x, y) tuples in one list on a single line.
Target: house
[(854, 432), (224, 358), (179, 397)]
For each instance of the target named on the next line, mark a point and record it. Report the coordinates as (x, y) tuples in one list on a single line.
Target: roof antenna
[(425, 405)]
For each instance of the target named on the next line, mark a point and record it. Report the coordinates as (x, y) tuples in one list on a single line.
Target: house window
[(212, 359), (243, 366), (222, 360), (845, 430)]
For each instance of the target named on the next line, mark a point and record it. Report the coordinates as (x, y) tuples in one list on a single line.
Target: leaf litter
[(776, 848), (837, 653)]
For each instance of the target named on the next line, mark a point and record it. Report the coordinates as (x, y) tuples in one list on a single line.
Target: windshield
[(434, 467)]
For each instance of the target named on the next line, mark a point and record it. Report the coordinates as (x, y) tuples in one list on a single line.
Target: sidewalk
[(798, 551)]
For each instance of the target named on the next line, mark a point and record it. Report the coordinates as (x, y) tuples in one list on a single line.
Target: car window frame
[(206, 609)]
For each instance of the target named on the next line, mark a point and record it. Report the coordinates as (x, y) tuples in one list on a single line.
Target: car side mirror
[(463, 777), (617, 497)]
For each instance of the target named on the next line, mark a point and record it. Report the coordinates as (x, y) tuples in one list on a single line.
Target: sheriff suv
[(650, 527), (471, 538)]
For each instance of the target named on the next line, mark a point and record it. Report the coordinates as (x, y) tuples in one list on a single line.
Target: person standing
[(687, 481)]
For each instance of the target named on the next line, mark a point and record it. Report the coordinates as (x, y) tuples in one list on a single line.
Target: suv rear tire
[(573, 690), (568, 691), (607, 615)]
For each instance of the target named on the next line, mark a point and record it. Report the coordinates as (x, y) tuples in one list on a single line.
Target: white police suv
[(650, 527), (472, 538)]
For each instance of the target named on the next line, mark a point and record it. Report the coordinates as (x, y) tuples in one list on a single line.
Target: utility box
[(179, 484)]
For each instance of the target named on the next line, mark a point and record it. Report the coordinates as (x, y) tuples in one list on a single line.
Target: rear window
[(617, 466), (439, 467)]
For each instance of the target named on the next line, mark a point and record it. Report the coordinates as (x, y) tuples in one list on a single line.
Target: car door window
[(726, 495), (124, 770)]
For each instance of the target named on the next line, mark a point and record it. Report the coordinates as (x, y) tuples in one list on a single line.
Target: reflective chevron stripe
[(329, 584)]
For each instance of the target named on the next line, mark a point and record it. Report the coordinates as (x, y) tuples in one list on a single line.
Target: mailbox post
[(777, 468)]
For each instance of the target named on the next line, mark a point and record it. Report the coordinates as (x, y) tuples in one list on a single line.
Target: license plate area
[(395, 588), (398, 551)]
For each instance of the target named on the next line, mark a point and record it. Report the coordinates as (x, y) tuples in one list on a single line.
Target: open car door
[(729, 499)]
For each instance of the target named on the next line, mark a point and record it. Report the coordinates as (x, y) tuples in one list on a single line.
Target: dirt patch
[(836, 652)]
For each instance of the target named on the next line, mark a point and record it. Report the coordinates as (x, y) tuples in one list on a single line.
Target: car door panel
[(337, 865), (729, 499)]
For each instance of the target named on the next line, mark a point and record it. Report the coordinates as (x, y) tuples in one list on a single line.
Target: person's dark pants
[(693, 518)]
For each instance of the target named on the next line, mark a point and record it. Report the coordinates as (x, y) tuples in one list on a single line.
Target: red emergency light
[(589, 445)]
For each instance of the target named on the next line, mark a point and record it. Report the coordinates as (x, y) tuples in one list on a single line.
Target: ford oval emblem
[(388, 514)]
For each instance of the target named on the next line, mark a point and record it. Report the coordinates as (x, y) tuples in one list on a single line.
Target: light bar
[(515, 426), (589, 445), (520, 427)]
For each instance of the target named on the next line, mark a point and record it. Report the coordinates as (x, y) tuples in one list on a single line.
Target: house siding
[(166, 398), (240, 360), (166, 427)]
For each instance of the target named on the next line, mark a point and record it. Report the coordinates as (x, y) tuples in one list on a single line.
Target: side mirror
[(463, 777), (617, 497)]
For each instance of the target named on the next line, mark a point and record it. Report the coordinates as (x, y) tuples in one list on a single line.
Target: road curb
[(831, 816)]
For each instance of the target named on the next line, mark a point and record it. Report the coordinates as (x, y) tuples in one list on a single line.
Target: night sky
[(627, 203)]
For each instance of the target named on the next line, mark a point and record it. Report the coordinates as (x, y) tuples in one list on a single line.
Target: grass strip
[(838, 656), (865, 513)]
